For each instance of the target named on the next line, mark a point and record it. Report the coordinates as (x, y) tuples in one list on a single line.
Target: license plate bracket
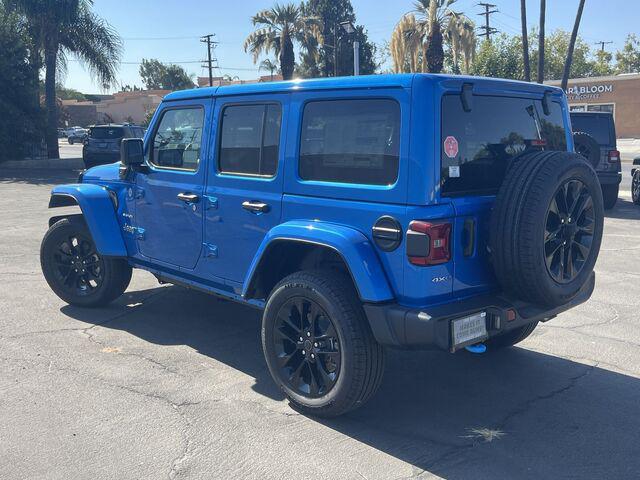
[(468, 330)]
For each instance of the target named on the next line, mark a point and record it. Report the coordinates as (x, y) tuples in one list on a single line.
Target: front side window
[(250, 139), (478, 146), (177, 141), (351, 141)]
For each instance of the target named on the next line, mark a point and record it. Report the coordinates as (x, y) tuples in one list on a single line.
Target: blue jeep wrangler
[(411, 211)]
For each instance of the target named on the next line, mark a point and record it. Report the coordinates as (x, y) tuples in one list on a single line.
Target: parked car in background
[(62, 133), (413, 211), (103, 143), (594, 138), (77, 135), (635, 181)]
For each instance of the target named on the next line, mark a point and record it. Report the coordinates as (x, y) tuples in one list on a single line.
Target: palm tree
[(417, 40), (278, 28), (543, 7), (268, 65), (572, 44), (69, 27), (525, 41)]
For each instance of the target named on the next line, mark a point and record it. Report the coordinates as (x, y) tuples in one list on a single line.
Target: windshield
[(478, 146), (106, 133), (598, 126)]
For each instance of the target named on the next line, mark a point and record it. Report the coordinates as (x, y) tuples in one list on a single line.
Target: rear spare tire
[(586, 145), (546, 227)]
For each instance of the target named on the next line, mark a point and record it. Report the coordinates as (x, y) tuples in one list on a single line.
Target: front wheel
[(74, 269), (635, 187), (318, 345), (610, 196)]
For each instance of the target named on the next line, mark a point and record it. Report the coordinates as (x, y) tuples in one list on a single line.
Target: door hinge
[(210, 251), (211, 203), (135, 192)]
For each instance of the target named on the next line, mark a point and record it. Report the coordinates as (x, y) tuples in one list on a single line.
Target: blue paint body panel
[(354, 247), (98, 211), (217, 245)]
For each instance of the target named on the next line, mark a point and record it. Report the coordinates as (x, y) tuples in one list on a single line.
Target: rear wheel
[(610, 195), (74, 269), (511, 337), (318, 346), (635, 187)]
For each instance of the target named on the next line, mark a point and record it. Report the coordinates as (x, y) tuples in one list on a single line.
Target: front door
[(169, 204), (244, 189)]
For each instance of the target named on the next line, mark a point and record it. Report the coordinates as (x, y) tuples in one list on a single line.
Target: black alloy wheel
[(635, 187), (569, 231), (77, 265), (307, 348)]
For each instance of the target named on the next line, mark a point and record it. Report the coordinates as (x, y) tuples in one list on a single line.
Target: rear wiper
[(533, 113)]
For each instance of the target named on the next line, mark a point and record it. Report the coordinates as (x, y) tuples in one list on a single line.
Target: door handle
[(255, 206), (188, 197)]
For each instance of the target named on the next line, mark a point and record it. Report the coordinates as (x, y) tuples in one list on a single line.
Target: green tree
[(332, 13), (602, 63), (628, 59), (276, 31), (69, 27), (418, 40), (157, 75), (268, 65), (20, 121), (500, 57), (69, 94), (556, 51)]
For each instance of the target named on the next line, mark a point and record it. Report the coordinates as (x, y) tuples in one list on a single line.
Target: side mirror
[(132, 152)]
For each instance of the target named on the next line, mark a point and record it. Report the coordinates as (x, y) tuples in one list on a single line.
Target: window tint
[(477, 146), (350, 141), (106, 133), (177, 141), (250, 140), (598, 126)]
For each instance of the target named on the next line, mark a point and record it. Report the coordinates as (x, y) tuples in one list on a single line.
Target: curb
[(55, 163)]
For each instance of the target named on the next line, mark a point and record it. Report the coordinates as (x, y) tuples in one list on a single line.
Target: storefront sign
[(588, 92)]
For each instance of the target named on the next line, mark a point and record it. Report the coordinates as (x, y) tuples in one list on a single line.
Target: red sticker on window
[(451, 147)]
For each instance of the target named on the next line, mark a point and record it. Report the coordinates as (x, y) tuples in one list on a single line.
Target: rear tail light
[(614, 156), (428, 243)]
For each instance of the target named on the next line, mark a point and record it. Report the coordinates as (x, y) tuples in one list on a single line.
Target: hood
[(103, 173)]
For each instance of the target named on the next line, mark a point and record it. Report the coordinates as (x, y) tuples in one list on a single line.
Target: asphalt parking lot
[(171, 383)]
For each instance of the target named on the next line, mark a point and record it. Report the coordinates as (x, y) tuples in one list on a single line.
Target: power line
[(211, 45), (487, 29)]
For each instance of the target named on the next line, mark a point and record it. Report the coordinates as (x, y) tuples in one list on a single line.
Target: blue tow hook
[(477, 348)]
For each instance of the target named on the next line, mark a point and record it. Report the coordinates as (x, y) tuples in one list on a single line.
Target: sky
[(169, 30)]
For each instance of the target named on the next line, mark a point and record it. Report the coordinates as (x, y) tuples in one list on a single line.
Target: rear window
[(477, 146), (106, 133), (598, 126), (350, 141)]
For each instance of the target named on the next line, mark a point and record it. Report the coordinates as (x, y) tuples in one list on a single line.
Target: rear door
[(477, 148), (244, 189)]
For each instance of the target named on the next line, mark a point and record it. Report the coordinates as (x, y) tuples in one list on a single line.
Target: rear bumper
[(609, 178), (430, 328)]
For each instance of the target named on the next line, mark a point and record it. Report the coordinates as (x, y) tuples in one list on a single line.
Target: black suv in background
[(103, 143), (594, 136)]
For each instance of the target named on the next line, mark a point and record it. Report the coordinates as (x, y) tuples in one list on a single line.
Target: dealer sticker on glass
[(469, 329)]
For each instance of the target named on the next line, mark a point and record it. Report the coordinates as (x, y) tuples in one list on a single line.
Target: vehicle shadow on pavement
[(37, 176), (625, 210), (515, 413)]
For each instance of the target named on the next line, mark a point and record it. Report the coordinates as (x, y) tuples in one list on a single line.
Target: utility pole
[(487, 29), (211, 44), (602, 44)]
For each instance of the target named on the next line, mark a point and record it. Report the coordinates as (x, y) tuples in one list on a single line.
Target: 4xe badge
[(451, 147)]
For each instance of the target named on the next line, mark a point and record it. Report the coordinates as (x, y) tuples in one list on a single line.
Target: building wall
[(129, 106), (619, 94)]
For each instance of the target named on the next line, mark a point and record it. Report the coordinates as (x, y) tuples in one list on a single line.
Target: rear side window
[(249, 143), (350, 141), (598, 126), (477, 146), (106, 133), (177, 141)]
